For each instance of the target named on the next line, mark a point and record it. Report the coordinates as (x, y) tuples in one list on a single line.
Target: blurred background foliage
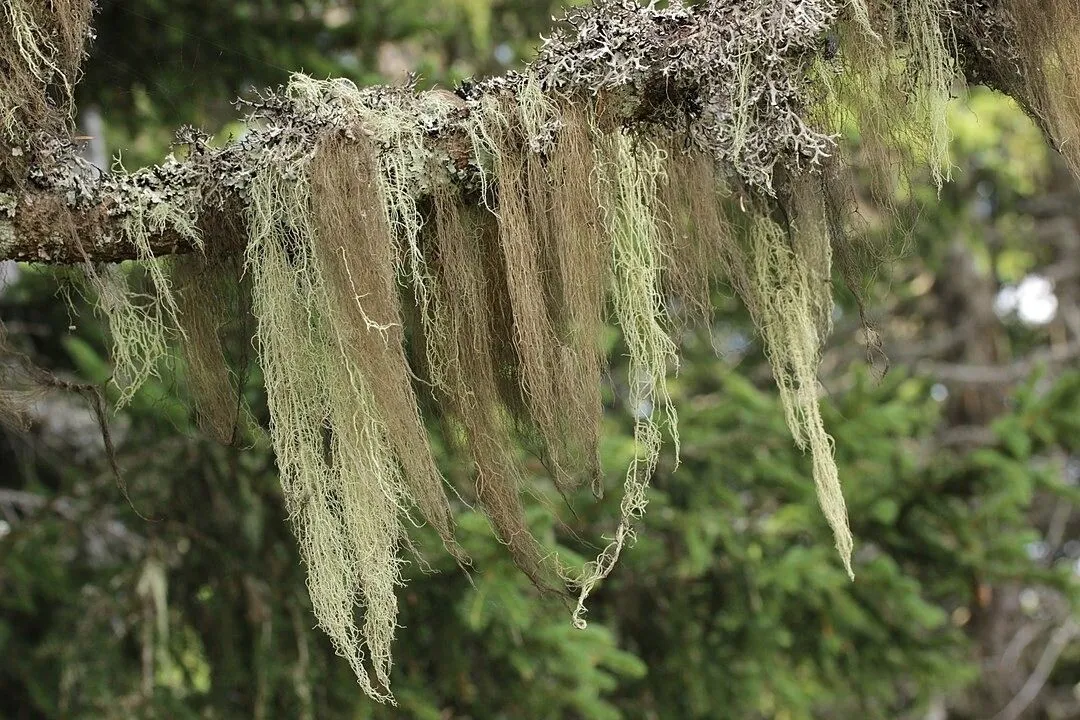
[(961, 466)]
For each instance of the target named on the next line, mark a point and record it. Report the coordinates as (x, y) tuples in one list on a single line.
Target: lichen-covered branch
[(740, 80), (667, 71)]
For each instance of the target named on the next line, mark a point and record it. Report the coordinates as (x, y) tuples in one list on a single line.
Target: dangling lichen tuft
[(398, 121), (341, 481), (861, 12), (142, 323), (930, 63), (20, 386), (858, 256), (513, 135), (578, 261), (210, 299), (41, 51), (891, 89), (699, 242), (1046, 40), (461, 338), (791, 304), (356, 260), (629, 171)]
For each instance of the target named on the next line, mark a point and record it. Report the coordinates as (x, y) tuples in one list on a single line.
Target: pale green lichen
[(342, 483), (929, 36), (397, 123), (629, 171), (791, 303), (142, 324), (41, 49), (32, 42)]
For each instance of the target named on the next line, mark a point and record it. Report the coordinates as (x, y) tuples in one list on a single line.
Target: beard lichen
[(1047, 43), (891, 88), (342, 484), (142, 313), (212, 299), (629, 170), (41, 51), (461, 337), (578, 252), (398, 122), (20, 389), (355, 256), (790, 301), (700, 245), (515, 136)]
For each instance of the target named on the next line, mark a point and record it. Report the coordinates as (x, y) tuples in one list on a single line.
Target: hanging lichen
[(548, 230), (578, 253), (356, 260), (461, 339), (791, 303), (142, 322), (858, 255), (41, 51), (890, 87), (700, 243), (628, 173), (1047, 44), (398, 122), (212, 297), (202, 293), (523, 233), (341, 482), (19, 388), (929, 63)]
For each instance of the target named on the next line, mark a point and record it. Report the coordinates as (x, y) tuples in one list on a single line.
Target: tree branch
[(731, 77)]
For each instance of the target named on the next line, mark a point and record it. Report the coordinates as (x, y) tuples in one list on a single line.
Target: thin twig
[(1035, 682)]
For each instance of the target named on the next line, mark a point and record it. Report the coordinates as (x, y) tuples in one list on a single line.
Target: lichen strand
[(1047, 40), (142, 321), (209, 291), (699, 243), (399, 122), (628, 174), (891, 88), (790, 301), (20, 388), (461, 336), (858, 255), (41, 52), (548, 374), (341, 481), (578, 253), (355, 254), (928, 25)]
